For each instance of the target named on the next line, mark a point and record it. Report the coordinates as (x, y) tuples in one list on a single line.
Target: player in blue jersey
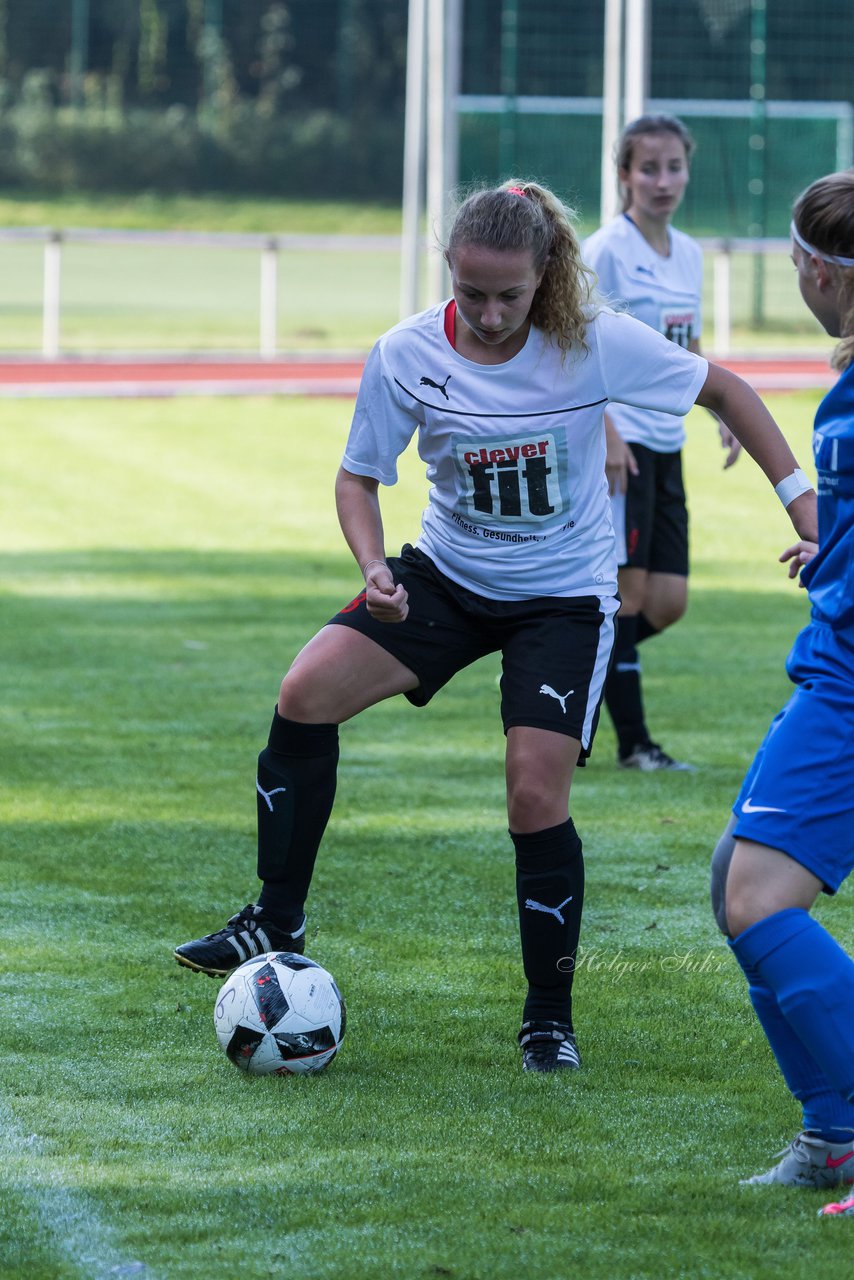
[(792, 832), (505, 386), (656, 272)]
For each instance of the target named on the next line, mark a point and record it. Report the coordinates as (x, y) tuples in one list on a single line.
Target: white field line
[(64, 1218)]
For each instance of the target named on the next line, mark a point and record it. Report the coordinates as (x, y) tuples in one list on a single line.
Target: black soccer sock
[(297, 773), (550, 894), (645, 629), (623, 695)]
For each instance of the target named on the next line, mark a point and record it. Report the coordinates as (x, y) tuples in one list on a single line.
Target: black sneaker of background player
[(648, 757)]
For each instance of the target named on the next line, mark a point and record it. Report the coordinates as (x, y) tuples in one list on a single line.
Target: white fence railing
[(269, 248), (721, 254)]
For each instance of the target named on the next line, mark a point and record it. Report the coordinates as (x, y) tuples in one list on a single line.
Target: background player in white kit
[(656, 273), (504, 387)]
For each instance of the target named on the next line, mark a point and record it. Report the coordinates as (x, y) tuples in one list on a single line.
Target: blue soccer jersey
[(798, 795), (829, 577)]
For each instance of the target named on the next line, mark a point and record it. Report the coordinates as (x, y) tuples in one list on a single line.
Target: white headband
[(817, 253)]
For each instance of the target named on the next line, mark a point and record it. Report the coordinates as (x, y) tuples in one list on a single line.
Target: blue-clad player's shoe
[(809, 1161), (843, 1208)]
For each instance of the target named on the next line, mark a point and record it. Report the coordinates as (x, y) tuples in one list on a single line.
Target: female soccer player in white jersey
[(793, 823), (655, 272), (504, 386)]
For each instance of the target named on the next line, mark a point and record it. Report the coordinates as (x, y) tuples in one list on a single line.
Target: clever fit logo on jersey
[(507, 479), (678, 325)]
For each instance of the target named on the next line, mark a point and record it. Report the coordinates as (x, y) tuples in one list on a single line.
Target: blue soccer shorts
[(798, 795)]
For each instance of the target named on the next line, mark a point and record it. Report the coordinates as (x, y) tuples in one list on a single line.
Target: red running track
[(56, 379)]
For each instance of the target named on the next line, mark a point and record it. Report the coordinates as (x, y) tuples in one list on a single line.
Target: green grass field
[(161, 564), (120, 297)]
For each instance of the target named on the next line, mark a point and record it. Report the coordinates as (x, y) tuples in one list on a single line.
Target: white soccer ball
[(280, 1014)]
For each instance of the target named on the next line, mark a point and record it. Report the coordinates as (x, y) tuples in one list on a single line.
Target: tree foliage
[(160, 53)]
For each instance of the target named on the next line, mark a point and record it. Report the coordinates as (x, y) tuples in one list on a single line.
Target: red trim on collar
[(450, 322)]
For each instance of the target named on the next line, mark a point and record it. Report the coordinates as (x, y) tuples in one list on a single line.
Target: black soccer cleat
[(248, 934), (548, 1046)]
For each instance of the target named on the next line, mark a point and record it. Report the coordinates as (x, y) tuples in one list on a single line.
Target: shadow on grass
[(136, 690), (123, 612)]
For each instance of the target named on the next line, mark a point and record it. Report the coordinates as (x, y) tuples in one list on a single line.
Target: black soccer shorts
[(554, 650), (656, 514)]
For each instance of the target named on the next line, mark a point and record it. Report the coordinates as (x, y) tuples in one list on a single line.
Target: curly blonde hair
[(824, 217), (526, 215)]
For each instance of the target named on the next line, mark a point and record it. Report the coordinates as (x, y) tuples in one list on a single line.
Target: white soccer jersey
[(515, 452), (664, 293)]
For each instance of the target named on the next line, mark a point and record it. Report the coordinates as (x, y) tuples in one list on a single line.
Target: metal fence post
[(721, 281), (50, 295), (269, 303)]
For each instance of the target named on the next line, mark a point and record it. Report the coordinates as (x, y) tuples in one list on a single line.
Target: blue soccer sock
[(812, 978), (825, 1112)]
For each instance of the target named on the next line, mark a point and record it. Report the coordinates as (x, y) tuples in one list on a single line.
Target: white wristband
[(791, 487), (367, 566)]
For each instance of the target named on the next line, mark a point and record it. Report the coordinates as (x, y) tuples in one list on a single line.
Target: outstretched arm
[(743, 412), (358, 505), (728, 440)]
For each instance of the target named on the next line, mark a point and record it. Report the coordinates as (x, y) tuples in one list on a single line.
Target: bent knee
[(665, 615), (747, 904), (532, 806), (672, 615), (763, 881), (301, 698), (743, 910)]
